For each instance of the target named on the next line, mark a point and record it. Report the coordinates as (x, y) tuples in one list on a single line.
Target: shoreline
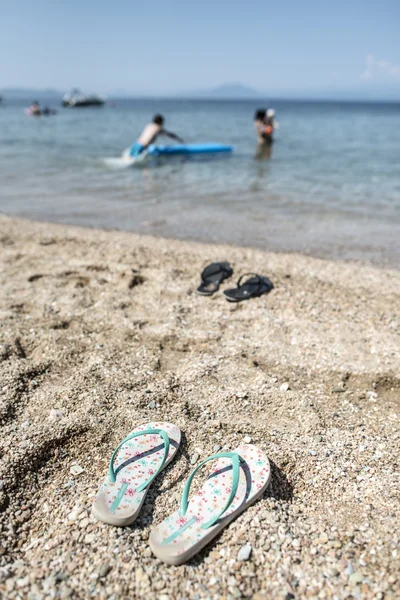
[(322, 245), (101, 331), (150, 229)]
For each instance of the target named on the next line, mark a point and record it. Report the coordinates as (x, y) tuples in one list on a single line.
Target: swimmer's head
[(260, 114), (158, 120)]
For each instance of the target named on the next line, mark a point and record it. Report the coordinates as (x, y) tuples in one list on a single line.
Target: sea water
[(329, 187)]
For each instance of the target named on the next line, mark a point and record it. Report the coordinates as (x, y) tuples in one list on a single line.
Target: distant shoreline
[(260, 99)]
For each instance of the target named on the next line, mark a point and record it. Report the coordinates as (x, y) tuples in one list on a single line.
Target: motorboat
[(76, 99)]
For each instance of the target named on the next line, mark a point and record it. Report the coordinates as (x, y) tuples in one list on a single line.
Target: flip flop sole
[(265, 288), (203, 291), (138, 459), (178, 538), (241, 298)]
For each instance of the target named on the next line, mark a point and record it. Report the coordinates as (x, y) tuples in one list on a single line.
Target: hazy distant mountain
[(234, 90), (225, 92)]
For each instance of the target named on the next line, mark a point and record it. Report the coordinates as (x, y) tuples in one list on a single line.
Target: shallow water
[(331, 186)]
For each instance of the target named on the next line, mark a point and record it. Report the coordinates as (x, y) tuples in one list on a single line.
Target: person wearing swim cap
[(149, 135)]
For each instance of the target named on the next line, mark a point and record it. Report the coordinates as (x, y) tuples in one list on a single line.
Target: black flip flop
[(212, 277), (256, 285)]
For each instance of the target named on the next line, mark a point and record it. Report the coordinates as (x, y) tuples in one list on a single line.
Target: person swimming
[(149, 135), (34, 109)]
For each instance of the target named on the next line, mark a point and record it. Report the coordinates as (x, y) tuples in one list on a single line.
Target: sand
[(102, 331)]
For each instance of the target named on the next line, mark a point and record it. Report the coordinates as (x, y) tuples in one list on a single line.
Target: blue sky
[(172, 46)]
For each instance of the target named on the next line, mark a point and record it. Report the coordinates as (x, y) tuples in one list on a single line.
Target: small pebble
[(194, 458), (23, 582), (104, 570), (76, 470), (247, 439), (356, 577), (284, 387), (349, 569), (244, 552), (89, 538), (56, 414)]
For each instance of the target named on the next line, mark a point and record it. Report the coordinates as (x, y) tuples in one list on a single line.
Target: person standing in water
[(263, 124), (149, 135)]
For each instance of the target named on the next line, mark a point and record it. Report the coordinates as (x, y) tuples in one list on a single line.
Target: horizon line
[(52, 93)]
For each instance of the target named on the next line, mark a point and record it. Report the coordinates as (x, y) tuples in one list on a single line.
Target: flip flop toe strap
[(216, 269), (135, 434), (249, 275), (211, 270), (236, 459)]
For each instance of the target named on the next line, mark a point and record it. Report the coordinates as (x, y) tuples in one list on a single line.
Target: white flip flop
[(237, 480), (135, 462)]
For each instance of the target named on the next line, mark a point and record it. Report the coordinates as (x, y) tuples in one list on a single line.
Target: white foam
[(125, 160), (119, 162)]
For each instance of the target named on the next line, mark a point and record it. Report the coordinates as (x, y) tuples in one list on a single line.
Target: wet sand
[(101, 331)]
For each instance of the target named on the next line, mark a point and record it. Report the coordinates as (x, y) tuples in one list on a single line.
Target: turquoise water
[(331, 186)]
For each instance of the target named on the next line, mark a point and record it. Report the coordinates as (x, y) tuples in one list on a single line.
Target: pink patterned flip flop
[(135, 462), (237, 480)]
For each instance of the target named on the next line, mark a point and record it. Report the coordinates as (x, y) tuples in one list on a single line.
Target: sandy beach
[(102, 331)]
